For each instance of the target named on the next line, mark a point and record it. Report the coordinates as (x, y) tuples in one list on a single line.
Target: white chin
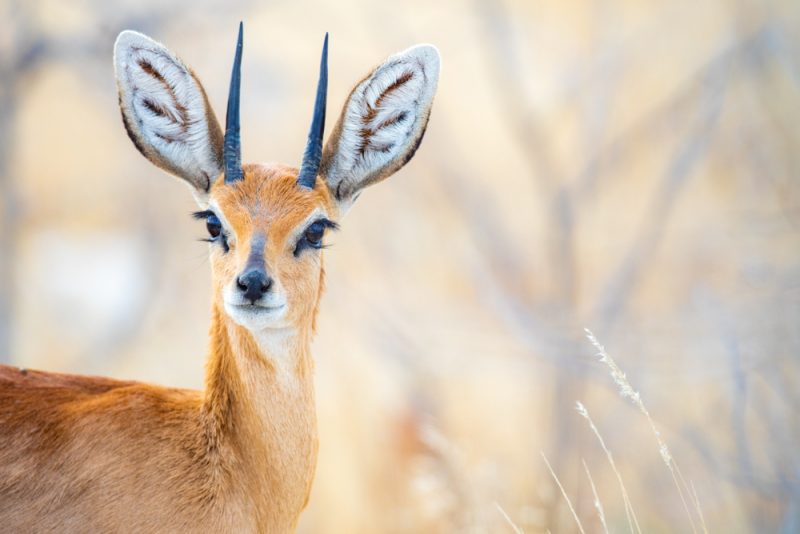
[(256, 318)]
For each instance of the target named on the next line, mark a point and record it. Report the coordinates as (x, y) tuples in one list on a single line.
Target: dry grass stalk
[(629, 513), (698, 507), (629, 393), (513, 526), (597, 504), (564, 493)]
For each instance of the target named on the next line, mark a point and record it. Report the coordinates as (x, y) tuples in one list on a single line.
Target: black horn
[(313, 153), (232, 148)]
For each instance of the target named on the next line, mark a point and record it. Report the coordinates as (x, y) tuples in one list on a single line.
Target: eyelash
[(222, 238), (302, 243)]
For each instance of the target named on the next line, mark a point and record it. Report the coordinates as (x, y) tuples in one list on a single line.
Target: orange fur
[(94, 454)]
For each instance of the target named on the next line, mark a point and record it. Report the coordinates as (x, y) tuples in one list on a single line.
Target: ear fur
[(166, 112), (382, 123)]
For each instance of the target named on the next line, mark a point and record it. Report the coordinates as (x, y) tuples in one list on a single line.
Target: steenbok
[(87, 454)]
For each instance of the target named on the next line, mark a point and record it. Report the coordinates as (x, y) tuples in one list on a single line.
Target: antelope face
[(267, 222), (266, 238)]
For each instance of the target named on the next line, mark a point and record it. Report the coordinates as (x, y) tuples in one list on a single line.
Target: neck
[(260, 418)]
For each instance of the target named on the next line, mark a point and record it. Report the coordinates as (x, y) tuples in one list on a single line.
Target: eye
[(214, 226), (314, 234), (312, 237)]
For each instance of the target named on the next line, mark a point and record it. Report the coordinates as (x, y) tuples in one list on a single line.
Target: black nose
[(254, 284)]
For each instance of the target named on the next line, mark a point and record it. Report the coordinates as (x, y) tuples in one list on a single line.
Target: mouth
[(268, 312), (257, 308)]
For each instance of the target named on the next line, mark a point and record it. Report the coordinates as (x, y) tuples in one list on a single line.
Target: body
[(87, 454), (86, 468)]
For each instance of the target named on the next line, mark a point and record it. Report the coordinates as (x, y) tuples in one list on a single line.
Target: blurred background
[(627, 167)]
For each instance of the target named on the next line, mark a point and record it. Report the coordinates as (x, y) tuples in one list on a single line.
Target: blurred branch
[(508, 271), (561, 324), (686, 159), (502, 272), (780, 48), (531, 135), (499, 270), (712, 81), (740, 467), (605, 157), (514, 102)]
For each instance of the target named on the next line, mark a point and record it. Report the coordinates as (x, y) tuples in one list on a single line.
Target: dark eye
[(214, 226), (314, 234), (312, 237)]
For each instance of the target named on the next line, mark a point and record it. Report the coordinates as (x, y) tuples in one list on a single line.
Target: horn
[(232, 147), (313, 153)]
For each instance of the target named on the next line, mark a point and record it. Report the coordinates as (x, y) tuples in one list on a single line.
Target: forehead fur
[(268, 193)]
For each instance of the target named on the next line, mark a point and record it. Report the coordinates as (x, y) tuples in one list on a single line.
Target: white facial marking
[(269, 313), (278, 347)]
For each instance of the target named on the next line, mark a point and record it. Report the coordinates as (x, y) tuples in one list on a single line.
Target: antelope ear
[(166, 112), (382, 123)]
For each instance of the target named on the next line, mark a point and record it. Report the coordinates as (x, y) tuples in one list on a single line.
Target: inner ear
[(382, 123), (166, 112)]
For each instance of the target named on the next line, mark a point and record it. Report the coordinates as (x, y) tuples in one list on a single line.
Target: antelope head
[(267, 222)]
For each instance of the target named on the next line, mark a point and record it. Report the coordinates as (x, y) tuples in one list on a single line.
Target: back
[(74, 454)]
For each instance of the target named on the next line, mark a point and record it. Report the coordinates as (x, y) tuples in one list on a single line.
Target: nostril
[(254, 284)]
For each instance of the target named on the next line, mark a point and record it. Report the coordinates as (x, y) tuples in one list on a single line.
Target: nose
[(254, 283)]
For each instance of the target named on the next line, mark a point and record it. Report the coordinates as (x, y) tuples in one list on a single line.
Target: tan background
[(631, 167)]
